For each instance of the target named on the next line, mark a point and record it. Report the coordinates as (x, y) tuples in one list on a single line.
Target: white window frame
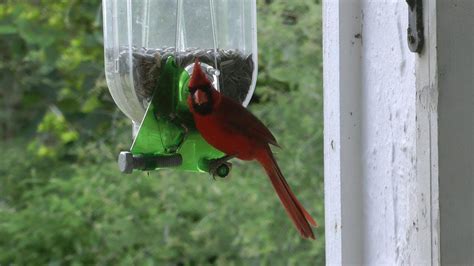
[(437, 217)]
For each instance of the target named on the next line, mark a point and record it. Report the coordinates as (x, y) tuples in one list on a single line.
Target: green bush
[(62, 198), (89, 213)]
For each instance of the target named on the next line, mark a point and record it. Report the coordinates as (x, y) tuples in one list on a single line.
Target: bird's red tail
[(300, 217)]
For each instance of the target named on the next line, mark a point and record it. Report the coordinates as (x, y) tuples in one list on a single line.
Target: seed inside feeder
[(235, 69)]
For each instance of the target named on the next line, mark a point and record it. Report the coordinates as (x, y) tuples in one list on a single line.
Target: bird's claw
[(177, 120)]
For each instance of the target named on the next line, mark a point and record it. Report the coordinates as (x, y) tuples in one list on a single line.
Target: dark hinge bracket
[(415, 25)]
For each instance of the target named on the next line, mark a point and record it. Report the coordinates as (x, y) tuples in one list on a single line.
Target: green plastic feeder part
[(168, 127)]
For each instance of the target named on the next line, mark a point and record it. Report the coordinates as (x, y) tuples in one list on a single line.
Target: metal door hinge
[(415, 25)]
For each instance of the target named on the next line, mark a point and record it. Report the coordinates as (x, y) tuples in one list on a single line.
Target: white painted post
[(427, 140), (342, 94), (380, 135)]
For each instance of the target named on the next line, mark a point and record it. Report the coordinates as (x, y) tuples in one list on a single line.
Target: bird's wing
[(239, 119)]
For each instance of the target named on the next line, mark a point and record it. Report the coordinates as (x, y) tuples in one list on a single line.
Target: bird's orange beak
[(198, 78), (200, 97)]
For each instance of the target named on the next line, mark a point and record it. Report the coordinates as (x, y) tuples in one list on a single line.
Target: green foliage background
[(62, 198)]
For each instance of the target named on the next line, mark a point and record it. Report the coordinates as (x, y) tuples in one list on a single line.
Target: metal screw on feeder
[(150, 49), (223, 170), (127, 162)]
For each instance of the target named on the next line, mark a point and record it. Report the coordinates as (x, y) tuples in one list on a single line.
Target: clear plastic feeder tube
[(139, 36)]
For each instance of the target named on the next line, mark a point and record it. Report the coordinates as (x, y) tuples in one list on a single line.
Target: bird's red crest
[(198, 78)]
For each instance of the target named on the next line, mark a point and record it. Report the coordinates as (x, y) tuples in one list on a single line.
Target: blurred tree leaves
[(62, 199), (52, 56), (290, 36)]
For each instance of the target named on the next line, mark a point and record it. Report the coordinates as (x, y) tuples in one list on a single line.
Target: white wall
[(391, 191)]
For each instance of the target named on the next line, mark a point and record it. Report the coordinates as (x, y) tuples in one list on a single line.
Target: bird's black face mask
[(202, 100)]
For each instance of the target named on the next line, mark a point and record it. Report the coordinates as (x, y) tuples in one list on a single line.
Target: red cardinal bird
[(232, 129)]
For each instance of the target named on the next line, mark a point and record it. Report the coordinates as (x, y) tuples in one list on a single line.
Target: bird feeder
[(150, 50)]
